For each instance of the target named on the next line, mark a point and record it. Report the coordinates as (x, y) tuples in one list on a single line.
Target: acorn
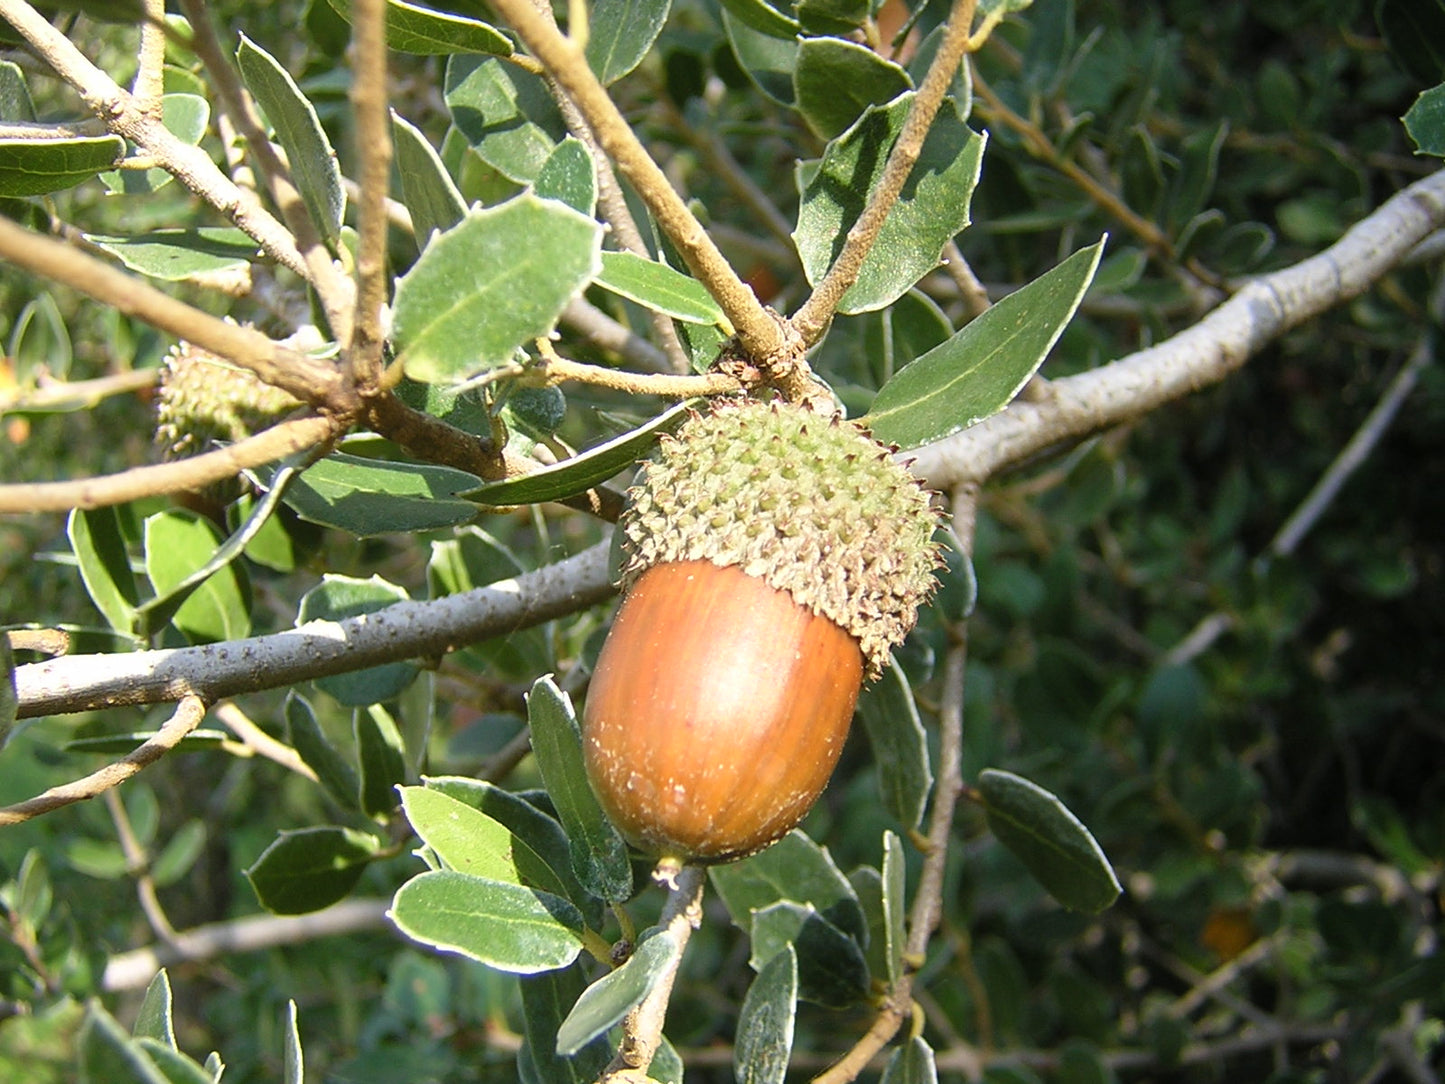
[(772, 559)]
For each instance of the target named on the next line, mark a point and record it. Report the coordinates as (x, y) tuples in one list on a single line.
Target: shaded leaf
[(978, 371), (895, 905), (153, 1018), (412, 28), (100, 550), (658, 287), (570, 176), (832, 970), (336, 598), (774, 19), (768, 59), (310, 868), (186, 117), (836, 81), (109, 1056), (547, 998), (505, 114), (376, 496), (795, 868), (620, 33), (495, 281), (599, 856), (1057, 849), (1425, 122), (611, 997), (900, 746), (334, 772), (32, 166), (911, 1063), (764, 1037), (381, 753), (210, 609), (506, 926), (176, 1067), (175, 255), (427, 189)]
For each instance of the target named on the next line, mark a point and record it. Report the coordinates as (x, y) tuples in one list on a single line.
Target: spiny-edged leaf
[(547, 998), (978, 371), (333, 771), (175, 255), (31, 166), (582, 472), (177, 1068), (599, 856), (336, 598), (611, 997), (895, 905), (795, 868), (412, 28), (178, 546), (314, 167), (570, 176), (774, 19), (427, 189), (1425, 122), (153, 1019), (764, 1037), (658, 287), (540, 833), (294, 1064), (310, 868), (506, 926), (505, 114), (1057, 849), (496, 280), (100, 550), (377, 496), (930, 210), (381, 753), (900, 747), (832, 970), (911, 1063), (837, 80), (620, 32), (109, 1056)]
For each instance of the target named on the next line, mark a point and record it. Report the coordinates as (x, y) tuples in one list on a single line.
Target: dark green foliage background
[(1286, 784)]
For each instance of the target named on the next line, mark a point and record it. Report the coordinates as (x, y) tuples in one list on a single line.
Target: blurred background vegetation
[(1271, 789)]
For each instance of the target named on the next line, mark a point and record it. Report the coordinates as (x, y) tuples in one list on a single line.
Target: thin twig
[(187, 716), (813, 318), (259, 742), (181, 476), (760, 333), (374, 151), (75, 394), (558, 369), (137, 864)]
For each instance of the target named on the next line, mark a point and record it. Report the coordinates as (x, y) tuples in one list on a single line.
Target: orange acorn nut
[(773, 558)]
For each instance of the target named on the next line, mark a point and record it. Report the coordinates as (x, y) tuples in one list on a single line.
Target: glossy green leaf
[(774, 19), (100, 550), (611, 997), (218, 607), (763, 1041), (293, 1063), (794, 868), (381, 755), (1425, 122), (836, 81), (768, 59), (427, 189), (832, 970), (582, 472), (1057, 849), (333, 771), (570, 176), (336, 598), (310, 868), (547, 998), (186, 116), (466, 839), (378, 496), (506, 926), (932, 208), (911, 1063), (176, 255), (895, 906), (413, 28), (313, 162), (658, 287), (107, 1055), (32, 166), (900, 746), (505, 114), (153, 1018), (539, 833), (978, 371), (494, 282), (599, 856), (620, 33)]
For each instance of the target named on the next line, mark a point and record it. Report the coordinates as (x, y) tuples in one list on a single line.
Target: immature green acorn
[(773, 558)]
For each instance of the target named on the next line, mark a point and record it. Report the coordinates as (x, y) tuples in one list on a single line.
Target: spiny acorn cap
[(204, 398), (811, 505)]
